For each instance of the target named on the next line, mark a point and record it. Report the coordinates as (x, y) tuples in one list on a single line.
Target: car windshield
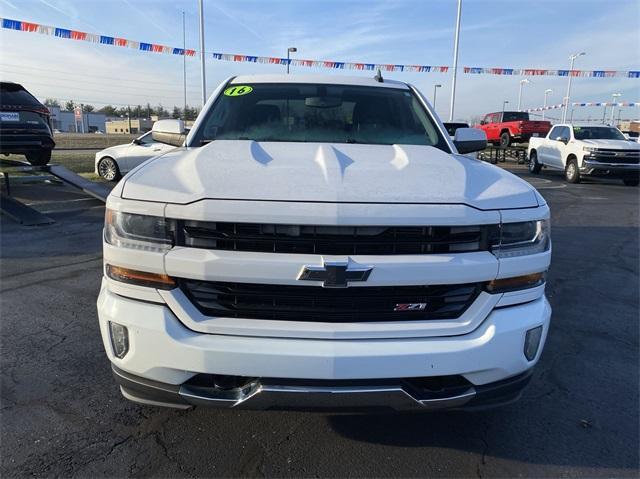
[(515, 116), (319, 113), (597, 133)]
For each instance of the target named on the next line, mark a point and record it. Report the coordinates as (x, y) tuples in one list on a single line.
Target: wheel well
[(533, 150), (505, 130), (570, 157)]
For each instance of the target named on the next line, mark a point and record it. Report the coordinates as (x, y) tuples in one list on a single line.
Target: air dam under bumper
[(163, 351), (282, 394)]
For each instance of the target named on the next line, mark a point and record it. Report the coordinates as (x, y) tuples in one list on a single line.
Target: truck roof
[(323, 79), (582, 125)]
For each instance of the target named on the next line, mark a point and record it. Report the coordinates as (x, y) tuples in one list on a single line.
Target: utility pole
[(129, 117), (435, 89), (568, 96), (184, 66), (455, 62), (613, 106), (546, 92), (202, 53), (522, 82)]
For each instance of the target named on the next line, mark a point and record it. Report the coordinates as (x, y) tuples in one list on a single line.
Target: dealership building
[(65, 121)]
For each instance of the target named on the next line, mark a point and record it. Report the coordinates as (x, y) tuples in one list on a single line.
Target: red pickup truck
[(508, 127)]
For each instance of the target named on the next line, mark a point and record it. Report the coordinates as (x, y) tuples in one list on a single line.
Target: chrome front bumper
[(281, 394), (613, 167)]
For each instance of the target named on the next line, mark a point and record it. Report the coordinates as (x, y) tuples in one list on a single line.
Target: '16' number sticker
[(238, 90)]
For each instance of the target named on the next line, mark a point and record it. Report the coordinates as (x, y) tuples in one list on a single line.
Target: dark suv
[(24, 125)]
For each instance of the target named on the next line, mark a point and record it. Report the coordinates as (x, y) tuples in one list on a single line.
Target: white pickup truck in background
[(578, 150)]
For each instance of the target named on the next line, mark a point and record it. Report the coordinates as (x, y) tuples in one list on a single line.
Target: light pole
[(202, 76), (504, 103), (568, 95), (522, 82), (613, 107), (546, 93), (435, 89), (455, 61), (184, 67), (290, 50)]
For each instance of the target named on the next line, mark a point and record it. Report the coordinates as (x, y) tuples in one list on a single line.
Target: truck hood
[(613, 144), (324, 172)]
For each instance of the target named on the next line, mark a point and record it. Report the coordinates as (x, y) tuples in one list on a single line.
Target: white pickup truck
[(579, 150), (321, 242)]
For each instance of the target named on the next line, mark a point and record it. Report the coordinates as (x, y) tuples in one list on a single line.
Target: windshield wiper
[(205, 142)]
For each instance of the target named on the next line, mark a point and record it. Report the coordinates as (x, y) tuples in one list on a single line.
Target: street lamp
[(546, 93), (435, 89), (522, 82), (568, 95), (290, 50), (503, 105), (613, 107)]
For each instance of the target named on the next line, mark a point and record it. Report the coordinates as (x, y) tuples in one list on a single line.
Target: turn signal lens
[(513, 284), (140, 278)]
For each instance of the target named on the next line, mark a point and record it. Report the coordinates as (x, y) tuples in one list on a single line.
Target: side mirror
[(482, 122), (468, 140), (170, 132), (562, 139)]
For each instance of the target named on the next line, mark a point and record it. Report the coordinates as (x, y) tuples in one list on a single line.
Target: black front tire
[(572, 172), (505, 139), (534, 166), (108, 169), (40, 158), (631, 181)]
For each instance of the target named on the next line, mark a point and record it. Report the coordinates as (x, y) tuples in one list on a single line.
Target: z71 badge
[(410, 307)]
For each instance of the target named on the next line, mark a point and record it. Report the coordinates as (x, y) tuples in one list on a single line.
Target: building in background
[(125, 126), (66, 121)]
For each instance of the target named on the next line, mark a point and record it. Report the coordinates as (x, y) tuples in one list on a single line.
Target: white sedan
[(113, 162)]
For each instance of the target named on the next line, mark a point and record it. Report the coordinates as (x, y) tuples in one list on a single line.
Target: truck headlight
[(523, 238), (589, 150), (142, 232)]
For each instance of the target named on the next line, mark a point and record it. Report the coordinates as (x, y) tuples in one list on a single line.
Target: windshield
[(515, 116), (597, 133), (319, 113)]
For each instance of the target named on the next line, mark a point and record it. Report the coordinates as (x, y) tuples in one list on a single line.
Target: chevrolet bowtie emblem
[(335, 274)]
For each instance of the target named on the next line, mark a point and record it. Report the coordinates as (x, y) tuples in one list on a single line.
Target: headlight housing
[(589, 149), (523, 238), (141, 232)]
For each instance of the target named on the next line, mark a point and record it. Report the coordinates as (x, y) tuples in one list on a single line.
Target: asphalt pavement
[(62, 414)]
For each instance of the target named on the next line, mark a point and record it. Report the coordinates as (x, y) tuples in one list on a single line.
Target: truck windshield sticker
[(238, 90)]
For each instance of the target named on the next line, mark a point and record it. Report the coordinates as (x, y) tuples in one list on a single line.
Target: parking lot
[(62, 414)]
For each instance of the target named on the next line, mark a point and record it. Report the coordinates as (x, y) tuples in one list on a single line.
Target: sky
[(502, 33)]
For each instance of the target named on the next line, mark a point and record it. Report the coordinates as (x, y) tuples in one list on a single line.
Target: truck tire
[(534, 166), (40, 158), (572, 172), (631, 181), (505, 139)]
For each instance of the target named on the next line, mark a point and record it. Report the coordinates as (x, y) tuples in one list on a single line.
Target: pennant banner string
[(588, 103), (23, 26)]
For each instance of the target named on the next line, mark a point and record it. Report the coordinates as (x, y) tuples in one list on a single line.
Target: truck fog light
[(120, 339), (532, 342)]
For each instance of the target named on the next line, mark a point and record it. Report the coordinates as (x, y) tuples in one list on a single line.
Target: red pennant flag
[(29, 27), (121, 42), (75, 35)]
